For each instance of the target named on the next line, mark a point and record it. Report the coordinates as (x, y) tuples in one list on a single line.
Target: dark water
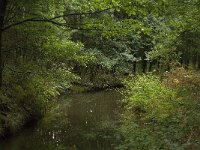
[(80, 122)]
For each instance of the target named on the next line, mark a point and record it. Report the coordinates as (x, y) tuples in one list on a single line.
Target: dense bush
[(158, 115), (27, 96), (148, 97)]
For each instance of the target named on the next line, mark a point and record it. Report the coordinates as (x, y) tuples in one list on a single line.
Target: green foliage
[(161, 114), (37, 69), (101, 41), (149, 97), (29, 96)]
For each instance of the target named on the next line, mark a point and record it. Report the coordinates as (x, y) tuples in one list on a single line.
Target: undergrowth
[(162, 112), (27, 96)]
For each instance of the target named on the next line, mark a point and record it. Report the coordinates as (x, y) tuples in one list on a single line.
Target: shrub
[(148, 97), (161, 114), (26, 97)]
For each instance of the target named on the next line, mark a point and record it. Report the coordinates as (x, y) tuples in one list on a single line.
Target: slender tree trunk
[(1, 61), (134, 67), (194, 60), (199, 61), (150, 66), (144, 65), (188, 60), (158, 64), (144, 62), (3, 4)]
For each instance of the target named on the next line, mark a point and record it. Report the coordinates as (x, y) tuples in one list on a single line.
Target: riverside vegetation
[(162, 113)]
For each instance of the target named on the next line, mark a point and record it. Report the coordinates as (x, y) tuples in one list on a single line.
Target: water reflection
[(85, 124)]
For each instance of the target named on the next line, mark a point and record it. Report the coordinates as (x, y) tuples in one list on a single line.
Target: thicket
[(36, 71), (162, 112)]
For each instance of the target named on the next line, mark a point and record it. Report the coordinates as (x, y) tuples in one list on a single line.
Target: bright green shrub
[(161, 114), (148, 97), (149, 104)]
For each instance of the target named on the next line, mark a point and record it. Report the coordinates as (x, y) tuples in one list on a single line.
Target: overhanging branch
[(33, 20), (51, 20)]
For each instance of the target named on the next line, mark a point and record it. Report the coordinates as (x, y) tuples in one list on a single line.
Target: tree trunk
[(150, 65), (194, 60), (158, 64), (144, 62), (199, 61), (134, 67), (3, 4), (1, 61), (144, 65)]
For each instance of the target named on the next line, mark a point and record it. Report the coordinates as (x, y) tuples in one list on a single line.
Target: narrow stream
[(80, 122)]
